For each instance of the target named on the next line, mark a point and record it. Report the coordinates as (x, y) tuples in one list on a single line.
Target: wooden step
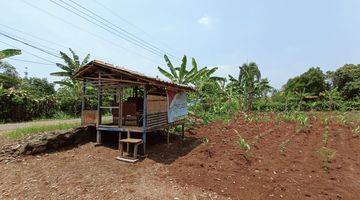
[(131, 140)]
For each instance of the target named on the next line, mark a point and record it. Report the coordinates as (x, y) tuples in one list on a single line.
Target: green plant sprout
[(326, 131), (205, 140), (342, 119), (356, 131), (248, 118), (244, 145), (303, 121), (326, 135), (282, 146), (328, 155)]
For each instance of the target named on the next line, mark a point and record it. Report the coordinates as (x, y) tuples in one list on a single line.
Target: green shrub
[(18, 105)]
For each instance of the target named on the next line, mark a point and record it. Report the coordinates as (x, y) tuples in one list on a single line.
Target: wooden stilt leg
[(98, 137), (128, 145), (167, 136), (119, 139), (182, 131), (135, 150), (121, 149)]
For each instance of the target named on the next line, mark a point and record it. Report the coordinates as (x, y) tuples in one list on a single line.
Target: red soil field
[(284, 163)]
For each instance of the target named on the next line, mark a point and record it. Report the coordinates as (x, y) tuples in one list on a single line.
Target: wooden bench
[(128, 141)]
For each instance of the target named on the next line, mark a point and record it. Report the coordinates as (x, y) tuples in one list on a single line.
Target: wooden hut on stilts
[(138, 104)]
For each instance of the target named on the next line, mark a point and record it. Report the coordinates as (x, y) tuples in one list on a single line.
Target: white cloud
[(205, 20)]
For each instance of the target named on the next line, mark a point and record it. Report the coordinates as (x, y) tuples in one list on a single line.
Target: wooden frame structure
[(147, 116)]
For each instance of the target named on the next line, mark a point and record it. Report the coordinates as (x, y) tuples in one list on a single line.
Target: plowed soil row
[(284, 161)]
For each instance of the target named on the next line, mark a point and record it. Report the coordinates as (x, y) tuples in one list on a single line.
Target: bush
[(18, 105)]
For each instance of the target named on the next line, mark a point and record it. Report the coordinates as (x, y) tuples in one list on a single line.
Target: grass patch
[(25, 131)]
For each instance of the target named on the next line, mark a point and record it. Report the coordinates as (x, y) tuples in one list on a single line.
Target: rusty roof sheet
[(120, 70)]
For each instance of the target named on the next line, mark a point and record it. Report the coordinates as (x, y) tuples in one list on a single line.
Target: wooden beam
[(98, 122), (144, 119), (83, 101), (117, 80), (120, 106)]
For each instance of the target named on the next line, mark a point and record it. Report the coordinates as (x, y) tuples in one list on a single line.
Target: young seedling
[(205, 140), (303, 121), (356, 131), (245, 146), (326, 135), (248, 118), (326, 131), (328, 155), (342, 119), (282, 146)]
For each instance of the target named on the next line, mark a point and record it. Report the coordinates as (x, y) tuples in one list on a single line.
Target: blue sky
[(283, 37)]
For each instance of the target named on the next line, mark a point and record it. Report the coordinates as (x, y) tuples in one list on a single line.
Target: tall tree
[(72, 63), (38, 87), (8, 73), (347, 80), (312, 82), (249, 76)]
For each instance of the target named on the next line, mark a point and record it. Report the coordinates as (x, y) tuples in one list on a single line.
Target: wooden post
[(182, 131), (98, 132), (128, 144), (144, 119), (83, 101), (120, 146), (167, 136), (120, 106)]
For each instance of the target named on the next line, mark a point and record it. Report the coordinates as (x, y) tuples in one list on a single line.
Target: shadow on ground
[(157, 148)]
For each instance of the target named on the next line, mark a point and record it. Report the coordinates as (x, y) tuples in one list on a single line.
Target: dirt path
[(12, 126), (90, 172)]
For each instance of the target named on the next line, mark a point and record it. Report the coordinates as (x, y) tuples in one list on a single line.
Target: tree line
[(215, 97)]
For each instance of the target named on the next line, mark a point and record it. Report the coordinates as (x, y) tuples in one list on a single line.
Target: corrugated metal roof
[(132, 72)]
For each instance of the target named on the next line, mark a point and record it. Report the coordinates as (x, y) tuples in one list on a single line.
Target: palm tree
[(249, 75), (9, 76), (69, 69)]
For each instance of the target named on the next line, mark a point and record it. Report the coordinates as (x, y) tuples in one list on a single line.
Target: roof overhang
[(98, 72)]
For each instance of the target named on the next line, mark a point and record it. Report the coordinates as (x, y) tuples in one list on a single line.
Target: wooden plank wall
[(157, 120), (156, 112)]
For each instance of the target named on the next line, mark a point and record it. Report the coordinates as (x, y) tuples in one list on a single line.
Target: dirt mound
[(282, 162), (47, 142)]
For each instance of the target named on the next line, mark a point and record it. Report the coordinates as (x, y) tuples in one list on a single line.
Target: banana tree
[(72, 63), (249, 76), (9, 75), (262, 88), (182, 75)]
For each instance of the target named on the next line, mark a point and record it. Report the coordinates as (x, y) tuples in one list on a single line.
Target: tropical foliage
[(249, 84), (8, 73), (68, 70), (215, 98), (347, 80), (182, 75)]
